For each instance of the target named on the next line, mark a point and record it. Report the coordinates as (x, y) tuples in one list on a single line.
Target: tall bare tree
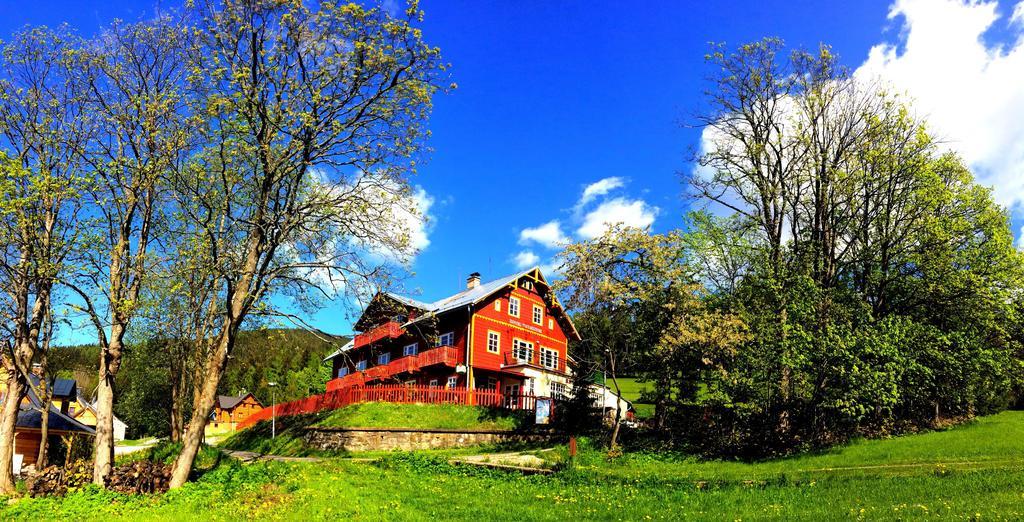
[(132, 77), (42, 127), (315, 117)]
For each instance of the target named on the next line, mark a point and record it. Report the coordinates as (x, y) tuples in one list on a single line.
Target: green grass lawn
[(631, 391), (972, 472)]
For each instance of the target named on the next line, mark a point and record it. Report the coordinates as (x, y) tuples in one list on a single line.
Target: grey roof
[(346, 347), (226, 402), (31, 416), (62, 388)]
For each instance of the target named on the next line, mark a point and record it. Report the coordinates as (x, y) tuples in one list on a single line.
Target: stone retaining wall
[(369, 439)]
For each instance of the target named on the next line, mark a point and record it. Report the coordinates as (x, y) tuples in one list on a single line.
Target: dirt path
[(522, 461), (252, 456)]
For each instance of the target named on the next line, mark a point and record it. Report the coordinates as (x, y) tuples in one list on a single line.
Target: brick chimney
[(473, 281)]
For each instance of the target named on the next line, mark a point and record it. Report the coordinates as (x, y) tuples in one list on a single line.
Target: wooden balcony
[(378, 372), (409, 363), (388, 330), (352, 379), (444, 355)]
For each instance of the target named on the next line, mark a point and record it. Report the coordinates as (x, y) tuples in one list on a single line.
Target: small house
[(229, 410)]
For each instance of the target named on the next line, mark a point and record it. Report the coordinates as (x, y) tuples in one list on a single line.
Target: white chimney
[(473, 281)]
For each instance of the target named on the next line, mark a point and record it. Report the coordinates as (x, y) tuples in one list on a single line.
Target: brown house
[(229, 411)]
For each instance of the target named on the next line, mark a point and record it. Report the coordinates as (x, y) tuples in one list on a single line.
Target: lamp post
[(273, 412)]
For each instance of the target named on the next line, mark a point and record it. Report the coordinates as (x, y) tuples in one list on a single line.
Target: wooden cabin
[(229, 410)]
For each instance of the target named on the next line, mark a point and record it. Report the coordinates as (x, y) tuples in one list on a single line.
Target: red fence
[(404, 394)]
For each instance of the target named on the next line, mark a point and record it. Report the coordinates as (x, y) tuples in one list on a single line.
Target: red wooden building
[(510, 334)]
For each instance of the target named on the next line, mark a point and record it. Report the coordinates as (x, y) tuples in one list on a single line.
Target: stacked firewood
[(57, 480), (141, 476)]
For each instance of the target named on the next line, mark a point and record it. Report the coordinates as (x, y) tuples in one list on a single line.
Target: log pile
[(140, 477), (57, 480)]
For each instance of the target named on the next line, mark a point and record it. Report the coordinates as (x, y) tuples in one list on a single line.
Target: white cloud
[(633, 213), (526, 259), (971, 93), (549, 234), (599, 188)]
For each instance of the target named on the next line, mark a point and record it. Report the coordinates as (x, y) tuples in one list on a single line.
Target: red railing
[(404, 394), (446, 355), (388, 330)]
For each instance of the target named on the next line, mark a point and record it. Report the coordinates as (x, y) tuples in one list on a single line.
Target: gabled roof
[(30, 416), (467, 297), (226, 402)]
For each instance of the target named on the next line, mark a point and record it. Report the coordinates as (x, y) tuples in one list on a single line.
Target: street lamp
[(273, 412)]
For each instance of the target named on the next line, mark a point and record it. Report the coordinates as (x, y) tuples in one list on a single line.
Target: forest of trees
[(293, 358), (170, 183), (842, 274)]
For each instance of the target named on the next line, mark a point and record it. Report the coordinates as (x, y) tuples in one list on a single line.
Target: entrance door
[(512, 396)]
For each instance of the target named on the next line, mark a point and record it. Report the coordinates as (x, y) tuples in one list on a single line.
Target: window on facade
[(497, 305), (528, 285), (343, 371), (493, 342), (538, 315), (558, 390), (453, 381), (433, 382), (446, 339), (513, 306), (522, 351), (384, 358), (361, 365), (410, 349), (551, 324), (549, 358)]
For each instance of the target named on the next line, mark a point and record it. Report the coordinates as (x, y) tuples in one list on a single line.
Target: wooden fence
[(396, 393)]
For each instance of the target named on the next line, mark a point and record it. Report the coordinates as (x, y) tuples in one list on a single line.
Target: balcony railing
[(388, 330), (446, 355), (443, 355)]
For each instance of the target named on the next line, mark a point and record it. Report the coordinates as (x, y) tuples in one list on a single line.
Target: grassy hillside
[(288, 441), (971, 472), (632, 391)]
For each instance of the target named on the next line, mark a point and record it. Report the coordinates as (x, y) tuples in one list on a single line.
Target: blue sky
[(556, 96)]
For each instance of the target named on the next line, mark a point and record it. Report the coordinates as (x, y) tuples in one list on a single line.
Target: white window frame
[(496, 337), (551, 323), (497, 305), (383, 358), (518, 345), (450, 336), (415, 349), (343, 371), (513, 306), (558, 390), (361, 365), (453, 381), (434, 383), (548, 355), (538, 314)]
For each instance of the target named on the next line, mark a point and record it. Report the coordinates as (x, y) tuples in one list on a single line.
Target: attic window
[(528, 285)]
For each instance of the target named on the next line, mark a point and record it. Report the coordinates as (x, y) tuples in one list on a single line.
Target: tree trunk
[(193, 437), (11, 404), (176, 420), (44, 428), (103, 447)]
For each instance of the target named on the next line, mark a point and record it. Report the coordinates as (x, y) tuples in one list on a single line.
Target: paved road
[(124, 450)]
